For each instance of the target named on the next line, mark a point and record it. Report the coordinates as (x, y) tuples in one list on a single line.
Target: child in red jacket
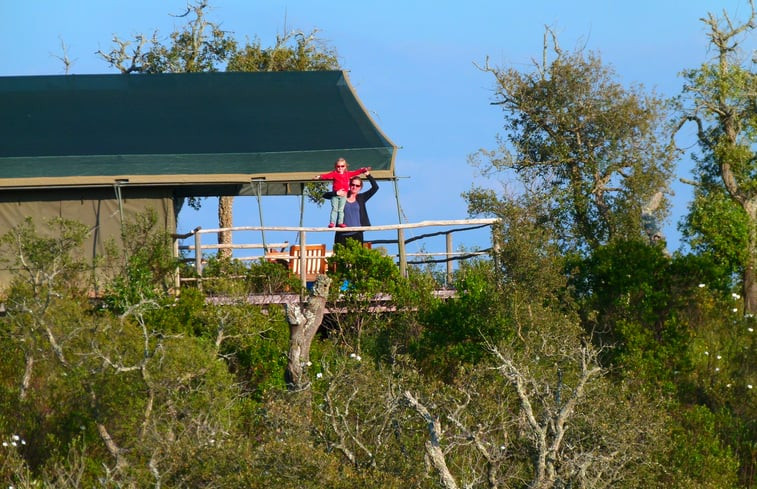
[(341, 178)]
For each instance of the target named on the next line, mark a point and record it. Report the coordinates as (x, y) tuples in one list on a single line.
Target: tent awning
[(199, 132)]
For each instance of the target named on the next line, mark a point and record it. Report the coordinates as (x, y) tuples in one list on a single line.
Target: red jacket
[(341, 180)]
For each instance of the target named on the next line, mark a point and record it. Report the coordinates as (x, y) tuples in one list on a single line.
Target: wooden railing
[(197, 249)]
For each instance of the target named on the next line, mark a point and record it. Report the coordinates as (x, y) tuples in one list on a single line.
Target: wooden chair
[(315, 260)]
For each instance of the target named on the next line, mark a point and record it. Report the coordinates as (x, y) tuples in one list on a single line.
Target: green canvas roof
[(204, 133)]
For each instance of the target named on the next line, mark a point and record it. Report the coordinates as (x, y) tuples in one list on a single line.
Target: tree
[(593, 147), (202, 46), (104, 393), (719, 97), (304, 321), (541, 416)]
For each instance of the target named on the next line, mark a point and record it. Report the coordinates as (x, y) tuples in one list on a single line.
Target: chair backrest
[(315, 260)]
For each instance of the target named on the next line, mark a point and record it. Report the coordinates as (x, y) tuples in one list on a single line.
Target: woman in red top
[(341, 178)]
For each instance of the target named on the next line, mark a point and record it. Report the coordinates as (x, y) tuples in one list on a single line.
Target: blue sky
[(412, 63)]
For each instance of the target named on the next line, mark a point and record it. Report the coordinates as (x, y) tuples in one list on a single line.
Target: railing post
[(177, 272), (449, 255), (401, 249), (302, 258), (198, 253)]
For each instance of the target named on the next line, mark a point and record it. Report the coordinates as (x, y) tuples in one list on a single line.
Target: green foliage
[(364, 281), (315, 190), (223, 276), (699, 459), (457, 330), (595, 149), (719, 97), (528, 257), (48, 260), (716, 225), (638, 302), (363, 271), (188, 391), (293, 51), (145, 272)]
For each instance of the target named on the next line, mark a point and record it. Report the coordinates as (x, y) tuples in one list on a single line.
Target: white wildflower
[(701, 285), (735, 310), (13, 443), (749, 386), (502, 447), (717, 369), (706, 353), (318, 375), (751, 330), (352, 355), (23, 442), (736, 296), (718, 357), (309, 364), (728, 385), (16, 437), (358, 358), (5, 443)]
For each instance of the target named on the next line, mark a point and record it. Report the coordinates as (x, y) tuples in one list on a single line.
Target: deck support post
[(449, 262), (198, 254), (401, 250), (303, 258), (400, 233)]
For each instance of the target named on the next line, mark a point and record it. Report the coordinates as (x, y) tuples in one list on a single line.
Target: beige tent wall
[(97, 208)]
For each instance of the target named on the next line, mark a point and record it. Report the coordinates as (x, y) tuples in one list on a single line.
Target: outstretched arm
[(374, 187)]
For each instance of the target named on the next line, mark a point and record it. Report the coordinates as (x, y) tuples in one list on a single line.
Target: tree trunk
[(304, 321), (225, 220), (27, 379), (433, 447)]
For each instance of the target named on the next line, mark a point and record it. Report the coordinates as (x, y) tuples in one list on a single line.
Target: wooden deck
[(193, 253), (379, 302)]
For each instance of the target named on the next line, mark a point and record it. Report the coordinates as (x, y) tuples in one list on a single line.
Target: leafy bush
[(145, 269), (639, 302), (456, 330)]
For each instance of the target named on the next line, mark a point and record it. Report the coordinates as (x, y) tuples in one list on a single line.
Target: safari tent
[(102, 148)]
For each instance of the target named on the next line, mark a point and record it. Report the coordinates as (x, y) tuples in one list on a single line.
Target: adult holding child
[(340, 189), (355, 213)]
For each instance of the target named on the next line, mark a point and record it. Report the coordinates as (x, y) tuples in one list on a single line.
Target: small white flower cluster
[(14, 441), (356, 357)]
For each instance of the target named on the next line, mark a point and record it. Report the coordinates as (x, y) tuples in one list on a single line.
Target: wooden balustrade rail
[(450, 255)]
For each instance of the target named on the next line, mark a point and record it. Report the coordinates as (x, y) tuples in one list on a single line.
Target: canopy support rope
[(260, 213)]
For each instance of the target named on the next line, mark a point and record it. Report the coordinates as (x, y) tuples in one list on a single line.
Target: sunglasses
[(341, 166), (353, 185)]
